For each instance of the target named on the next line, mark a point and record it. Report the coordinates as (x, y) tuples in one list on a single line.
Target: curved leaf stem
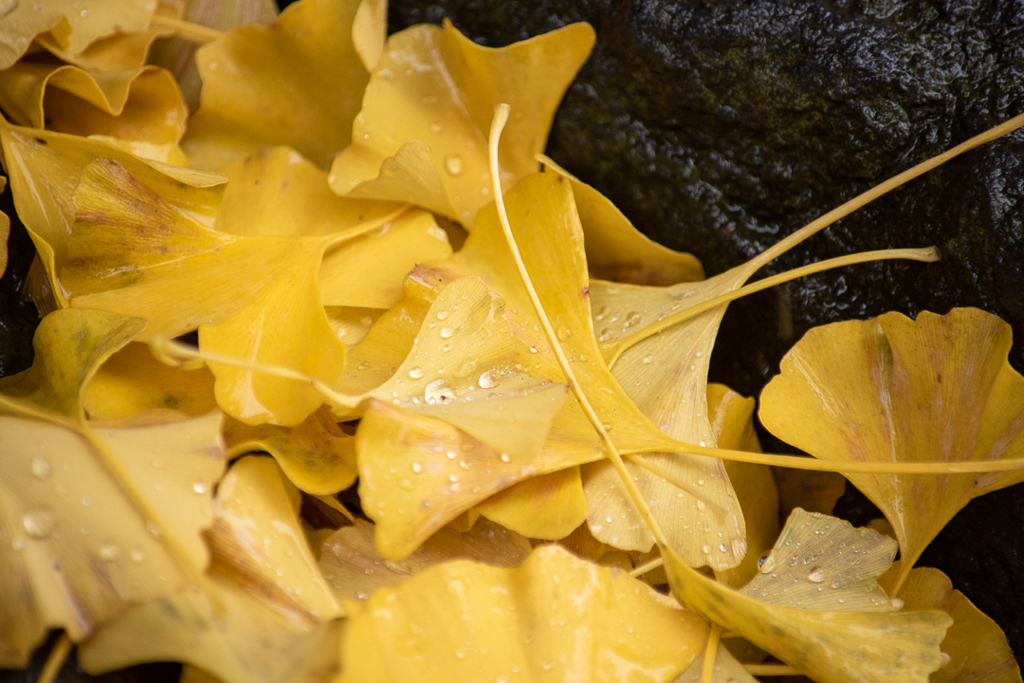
[(707, 673), (193, 33)]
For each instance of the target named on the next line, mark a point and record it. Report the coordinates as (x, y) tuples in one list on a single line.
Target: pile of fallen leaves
[(340, 379)]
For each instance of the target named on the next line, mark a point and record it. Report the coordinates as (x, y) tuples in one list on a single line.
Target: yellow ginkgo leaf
[(73, 27), (132, 381), (355, 569), (732, 420), (92, 519), (975, 645), (421, 135), (275, 191), (352, 323), (297, 81), (118, 51), (45, 168), (315, 455), (138, 104), (258, 544), (370, 31), (619, 252), (813, 491), (556, 617), (262, 612), (419, 473), (820, 638), (251, 297), (894, 389), (467, 368), (824, 563), (368, 272), (548, 507)]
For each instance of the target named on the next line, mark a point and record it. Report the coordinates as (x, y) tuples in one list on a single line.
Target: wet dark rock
[(719, 128)]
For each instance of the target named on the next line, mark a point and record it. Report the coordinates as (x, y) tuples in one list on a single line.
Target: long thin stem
[(926, 254), (193, 33), (707, 673), (55, 659), (497, 125), (647, 567)]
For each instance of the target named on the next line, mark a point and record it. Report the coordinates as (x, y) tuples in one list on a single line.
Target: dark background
[(719, 128)]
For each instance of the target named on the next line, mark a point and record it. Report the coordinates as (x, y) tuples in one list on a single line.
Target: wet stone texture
[(720, 127)]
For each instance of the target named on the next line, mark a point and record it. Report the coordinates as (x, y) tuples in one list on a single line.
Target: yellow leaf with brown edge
[(297, 81), (132, 381), (814, 631), (421, 135), (316, 456), (91, 518), (356, 570), (257, 543), (554, 618), (242, 621), (67, 25), (118, 51), (548, 507), (45, 169), (619, 252), (975, 645), (732, 420), (141, 104), (894, 389), (250, 297)]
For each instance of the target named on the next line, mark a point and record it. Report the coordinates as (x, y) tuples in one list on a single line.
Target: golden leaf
[(420, 137), (45, 168), (71, 28), (547, 507), (355, 569), (138, 105), (243, 621), (556, 617), (93, 518), (130, 252), (619, 252), (297, 81), (897, 390), (975, 645)]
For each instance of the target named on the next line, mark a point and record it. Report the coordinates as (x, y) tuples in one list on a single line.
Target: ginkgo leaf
[(894, 389), (827, 645), (297, 81), (368, 272), (975, 646), (421, 135), (823, 563), (91, 520), (243, 621), (132, 381), (355, 569), (370, 31), (554, 618), (352, 323), (138, 104), (548, 507), (732, 420), (45, 168), (467, 368), (275, 191), (250, 297), (619, 252), (72, 26), (118, 51), (421, 472), (257, 543), (315, 455)]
